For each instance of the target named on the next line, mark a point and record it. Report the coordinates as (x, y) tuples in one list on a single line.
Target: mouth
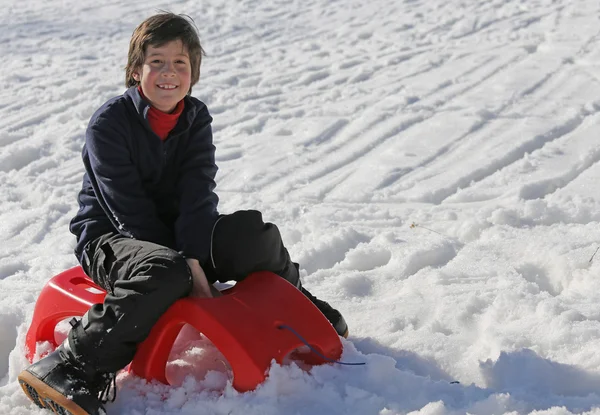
[(167, 86)]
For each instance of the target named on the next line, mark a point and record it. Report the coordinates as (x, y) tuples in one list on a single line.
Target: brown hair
[(158, 30)]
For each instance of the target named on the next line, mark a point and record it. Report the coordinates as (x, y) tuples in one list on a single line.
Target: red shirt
[(161, 122)]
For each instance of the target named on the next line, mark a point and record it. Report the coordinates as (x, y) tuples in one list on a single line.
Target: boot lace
[(108, 388)]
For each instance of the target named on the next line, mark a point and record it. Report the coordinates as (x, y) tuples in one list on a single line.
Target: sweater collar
[(142, 107)]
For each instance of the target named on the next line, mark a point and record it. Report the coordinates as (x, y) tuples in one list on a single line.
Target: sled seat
[(245, 324)]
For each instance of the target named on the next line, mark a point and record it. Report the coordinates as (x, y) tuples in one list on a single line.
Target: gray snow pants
[(143, 279)]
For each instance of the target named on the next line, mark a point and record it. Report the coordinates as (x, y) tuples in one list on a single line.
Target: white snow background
[(432, 164)]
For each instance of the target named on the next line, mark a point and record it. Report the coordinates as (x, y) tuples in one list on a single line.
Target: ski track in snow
[(346, 122)]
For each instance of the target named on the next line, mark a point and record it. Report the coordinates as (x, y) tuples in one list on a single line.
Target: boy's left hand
[(201, 287)]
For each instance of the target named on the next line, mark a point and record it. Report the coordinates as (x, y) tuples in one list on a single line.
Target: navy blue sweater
[(145, 188)]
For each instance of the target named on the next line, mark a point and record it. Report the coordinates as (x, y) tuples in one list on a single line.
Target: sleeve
[(118, 186), (197, 200)]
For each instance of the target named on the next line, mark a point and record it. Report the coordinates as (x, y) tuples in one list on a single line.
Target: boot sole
[(47, 397)]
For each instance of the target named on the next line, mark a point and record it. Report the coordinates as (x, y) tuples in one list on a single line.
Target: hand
[(200, 285)]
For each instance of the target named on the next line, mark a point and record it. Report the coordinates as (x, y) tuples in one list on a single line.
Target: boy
[(147, 228)]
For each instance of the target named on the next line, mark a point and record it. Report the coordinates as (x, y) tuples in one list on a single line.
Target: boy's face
[(165, 75)]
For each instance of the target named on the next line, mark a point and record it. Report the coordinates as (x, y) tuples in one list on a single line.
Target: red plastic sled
[(244, 324)]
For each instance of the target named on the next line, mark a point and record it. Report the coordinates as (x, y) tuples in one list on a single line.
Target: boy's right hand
[(201, 287)]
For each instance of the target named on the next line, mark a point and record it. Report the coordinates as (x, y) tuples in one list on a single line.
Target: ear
[(136, 76)]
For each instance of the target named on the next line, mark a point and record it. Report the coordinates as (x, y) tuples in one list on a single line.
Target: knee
[(243, 243), (170, 270), (252, 233)]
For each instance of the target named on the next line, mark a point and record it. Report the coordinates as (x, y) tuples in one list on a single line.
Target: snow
[(432, 164)]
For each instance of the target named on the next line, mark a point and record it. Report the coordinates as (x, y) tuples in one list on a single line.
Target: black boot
[(63, 385), (335, 317)]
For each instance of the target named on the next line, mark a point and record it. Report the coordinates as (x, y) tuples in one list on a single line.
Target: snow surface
[(432, 164)]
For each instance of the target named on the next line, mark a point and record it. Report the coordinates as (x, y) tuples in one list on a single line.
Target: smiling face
[(165, 76)]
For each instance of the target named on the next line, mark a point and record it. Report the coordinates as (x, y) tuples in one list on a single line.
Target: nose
[(168, 69)]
